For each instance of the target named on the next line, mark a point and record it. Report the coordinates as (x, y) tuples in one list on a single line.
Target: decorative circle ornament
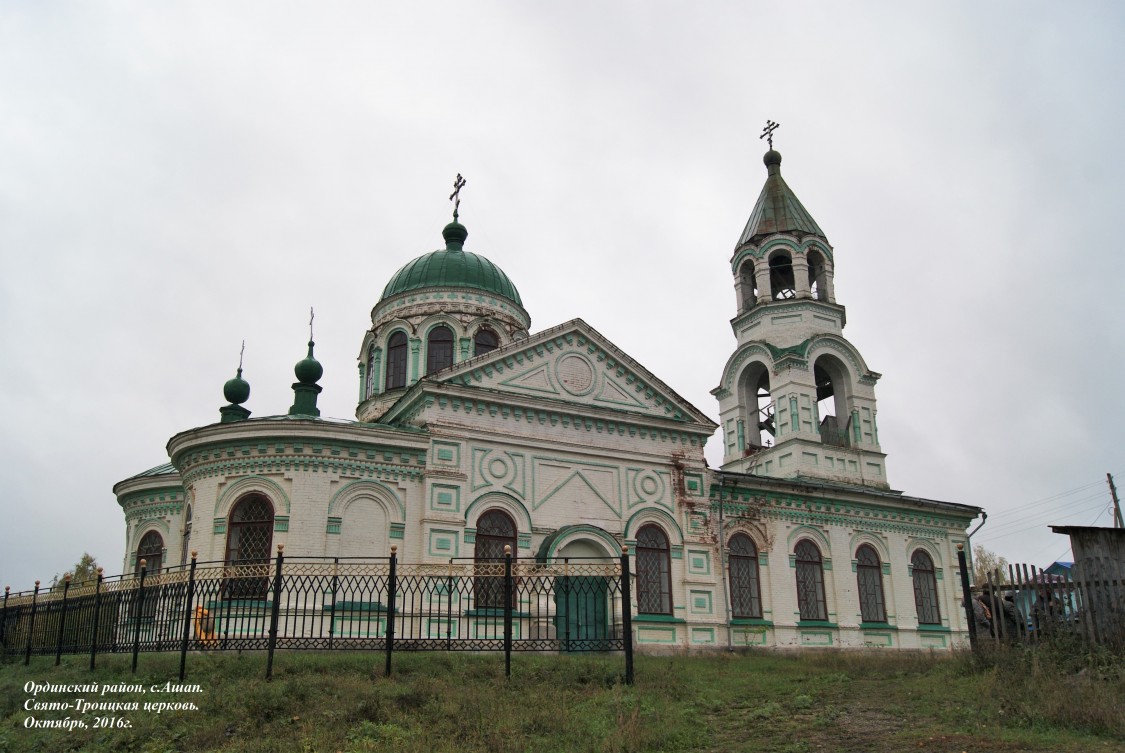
[(575, 373)]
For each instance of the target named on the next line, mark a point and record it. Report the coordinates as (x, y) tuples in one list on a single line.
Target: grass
[(1049, 700)]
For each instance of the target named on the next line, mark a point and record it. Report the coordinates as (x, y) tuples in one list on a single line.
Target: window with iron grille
[(485, 341), (439, 349), (810, 581), (869, 577), (249, 536), (151, 549), (745, 587), (495, 530), (396, 361), (654, 571), (925, 588), (185, 547), (370, 387)]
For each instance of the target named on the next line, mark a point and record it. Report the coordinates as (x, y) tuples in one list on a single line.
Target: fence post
[(392, 589), (140, 608), (275, 611), (508, 610), (4, 623), (31, 625), (187, 615), (332, 609), (967, 596), (97, 619), (62, 620), (627, 614)]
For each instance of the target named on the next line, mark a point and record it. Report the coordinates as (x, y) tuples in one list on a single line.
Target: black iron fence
[(371, 604)]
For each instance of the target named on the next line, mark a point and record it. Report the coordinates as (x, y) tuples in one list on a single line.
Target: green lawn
[(777, 702)]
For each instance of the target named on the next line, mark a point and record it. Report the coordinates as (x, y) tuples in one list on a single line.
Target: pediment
[(574, 364)]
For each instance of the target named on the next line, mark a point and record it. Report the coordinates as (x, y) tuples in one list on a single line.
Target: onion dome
[(452, 267), (305, 390), (236, 391), (308, 370)]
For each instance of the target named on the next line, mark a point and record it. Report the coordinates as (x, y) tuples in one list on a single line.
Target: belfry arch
[(754, 394), (834, 394)]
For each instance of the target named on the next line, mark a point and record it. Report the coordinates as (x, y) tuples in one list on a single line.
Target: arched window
[(485, 341), (186, 546), (151, 549), (249, 536), (370, 370), (818, 275), (495, 530), (782, 283), (745, 588), (747, 286), (869, 577), (396, 361), (925, 588), (439, 349), (654, 571), (833, 385), (810, 581)]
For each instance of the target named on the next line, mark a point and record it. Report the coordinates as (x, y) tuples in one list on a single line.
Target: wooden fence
[(1028, 605)]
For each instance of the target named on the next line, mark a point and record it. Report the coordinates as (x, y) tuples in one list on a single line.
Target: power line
[(1042, 515), (993, 536), (1046, 500)]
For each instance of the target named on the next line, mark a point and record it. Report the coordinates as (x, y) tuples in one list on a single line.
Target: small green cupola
[(308, 370), (236, 391)]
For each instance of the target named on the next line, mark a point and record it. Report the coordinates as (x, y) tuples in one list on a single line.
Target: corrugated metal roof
[(159, 470)]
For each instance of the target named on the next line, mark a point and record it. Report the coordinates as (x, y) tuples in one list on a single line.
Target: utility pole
[(1117, 521)]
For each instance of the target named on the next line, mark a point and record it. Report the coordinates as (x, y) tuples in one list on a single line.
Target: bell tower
[(796, 398)]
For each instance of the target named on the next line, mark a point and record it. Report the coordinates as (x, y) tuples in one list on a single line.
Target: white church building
[(473, 432)]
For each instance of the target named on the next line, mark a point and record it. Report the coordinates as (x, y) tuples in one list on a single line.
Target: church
[(474, 433)]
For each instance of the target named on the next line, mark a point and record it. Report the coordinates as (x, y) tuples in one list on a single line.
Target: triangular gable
[(575, 364)]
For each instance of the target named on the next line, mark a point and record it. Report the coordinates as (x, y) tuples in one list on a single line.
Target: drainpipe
[(723, 565), (969, 538)]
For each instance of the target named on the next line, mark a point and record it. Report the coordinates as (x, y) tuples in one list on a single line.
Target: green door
[(582, 613)]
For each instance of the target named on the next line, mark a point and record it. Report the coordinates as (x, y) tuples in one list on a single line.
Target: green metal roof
[(777, 209), (453, 268)]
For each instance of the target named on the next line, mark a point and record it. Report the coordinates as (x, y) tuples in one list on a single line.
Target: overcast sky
[(175, 177)]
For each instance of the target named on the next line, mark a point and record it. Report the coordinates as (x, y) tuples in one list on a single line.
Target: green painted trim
[(334, 525), (357, 606), (750, 621), (493, 612), (398, 531), (816, 624), (934, 629), (876, 626), (281, 524), (643, 617)]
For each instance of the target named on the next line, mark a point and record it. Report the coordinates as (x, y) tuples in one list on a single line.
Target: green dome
[(308, 369), (237, 390), (452, 268)]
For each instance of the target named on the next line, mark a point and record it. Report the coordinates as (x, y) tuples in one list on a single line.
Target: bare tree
[(985, 562)]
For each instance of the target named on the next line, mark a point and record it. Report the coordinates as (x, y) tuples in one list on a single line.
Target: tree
[(85, 569), (985, 562)]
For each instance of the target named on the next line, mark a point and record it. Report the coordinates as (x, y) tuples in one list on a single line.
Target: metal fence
[(1026, 605), (372, 604)]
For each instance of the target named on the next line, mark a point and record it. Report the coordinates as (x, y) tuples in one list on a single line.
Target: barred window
[(249, 536), (495, 530), (185, 547), (151, 549), (439, 349), (654, 571), (810, 581), (925, 588), (396, 361), (869, 577), (485, 341), (369, 389), (745, 588)]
